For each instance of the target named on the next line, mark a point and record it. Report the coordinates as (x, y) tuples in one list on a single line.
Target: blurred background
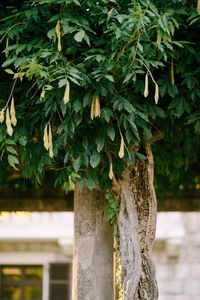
[(36, 251)]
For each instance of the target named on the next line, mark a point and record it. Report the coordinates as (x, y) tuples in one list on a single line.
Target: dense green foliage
[(104, 50)]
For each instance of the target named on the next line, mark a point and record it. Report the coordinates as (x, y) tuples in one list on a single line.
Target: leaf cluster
[(102, 48)]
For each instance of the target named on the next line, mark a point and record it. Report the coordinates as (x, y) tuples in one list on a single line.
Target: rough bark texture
[(93, 247), (137, 225)]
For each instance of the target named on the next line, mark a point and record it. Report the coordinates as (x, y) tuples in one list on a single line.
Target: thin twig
[(35, 93), (147, 69), (59, 115), (31, 88), (11, 93)]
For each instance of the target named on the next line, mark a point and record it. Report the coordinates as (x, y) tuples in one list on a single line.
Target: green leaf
[(95, 159), (140, 156), (128, 77), (62, 82), (109, 77), (9, 141), (79, 35), (87, 99), (81, 183), (9, 71), (23, 141), (8, 62), (132, 157), (85, 142), (13, 159), (77, 2), (147, 133), (66, 157), (11, 150), (111, 132), (100, 141), (77, 163)]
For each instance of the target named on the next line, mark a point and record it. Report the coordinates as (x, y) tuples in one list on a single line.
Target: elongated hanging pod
[(66, 94), (97, 112), (92, 107), (146, 89), (46, 138), (2, 115), (12, 112), (111, 174), (198, 6), (8, 122), (156, 93), (50, 142), (121, 150)]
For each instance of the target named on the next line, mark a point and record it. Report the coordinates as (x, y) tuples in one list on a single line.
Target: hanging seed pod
[(8, 122), (121, 150), (7, 44), (146, 89), (58, 35), (156, 93), (12, 113), (2, 115), (92, 107), (66, 94), (172, 71), (50, 142), (97, 112), (198, 7), (111, 174), (46, 138)]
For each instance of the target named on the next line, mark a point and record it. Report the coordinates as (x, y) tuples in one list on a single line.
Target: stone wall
[(177, 256)]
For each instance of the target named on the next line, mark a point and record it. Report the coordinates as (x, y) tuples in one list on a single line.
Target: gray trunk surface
[(93, 247), (137, 226)]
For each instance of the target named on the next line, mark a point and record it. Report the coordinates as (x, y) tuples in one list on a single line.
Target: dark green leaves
[(106, 52)]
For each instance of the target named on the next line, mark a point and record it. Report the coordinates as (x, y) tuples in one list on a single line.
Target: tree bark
[(93, 247), (137, 226)]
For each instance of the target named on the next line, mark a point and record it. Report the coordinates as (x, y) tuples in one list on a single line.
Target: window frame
[(23, 282)]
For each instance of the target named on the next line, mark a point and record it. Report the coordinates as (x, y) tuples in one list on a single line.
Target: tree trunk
[(93, 247), (137, 225)]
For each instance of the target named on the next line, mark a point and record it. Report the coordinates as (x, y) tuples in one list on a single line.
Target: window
[(60, 281), (25, 282), (21, 282)]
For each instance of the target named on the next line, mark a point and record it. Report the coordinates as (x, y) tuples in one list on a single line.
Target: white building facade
[(36, 252), (36, 256)]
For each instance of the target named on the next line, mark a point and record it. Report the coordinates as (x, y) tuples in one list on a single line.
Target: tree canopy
[(85, 83)]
